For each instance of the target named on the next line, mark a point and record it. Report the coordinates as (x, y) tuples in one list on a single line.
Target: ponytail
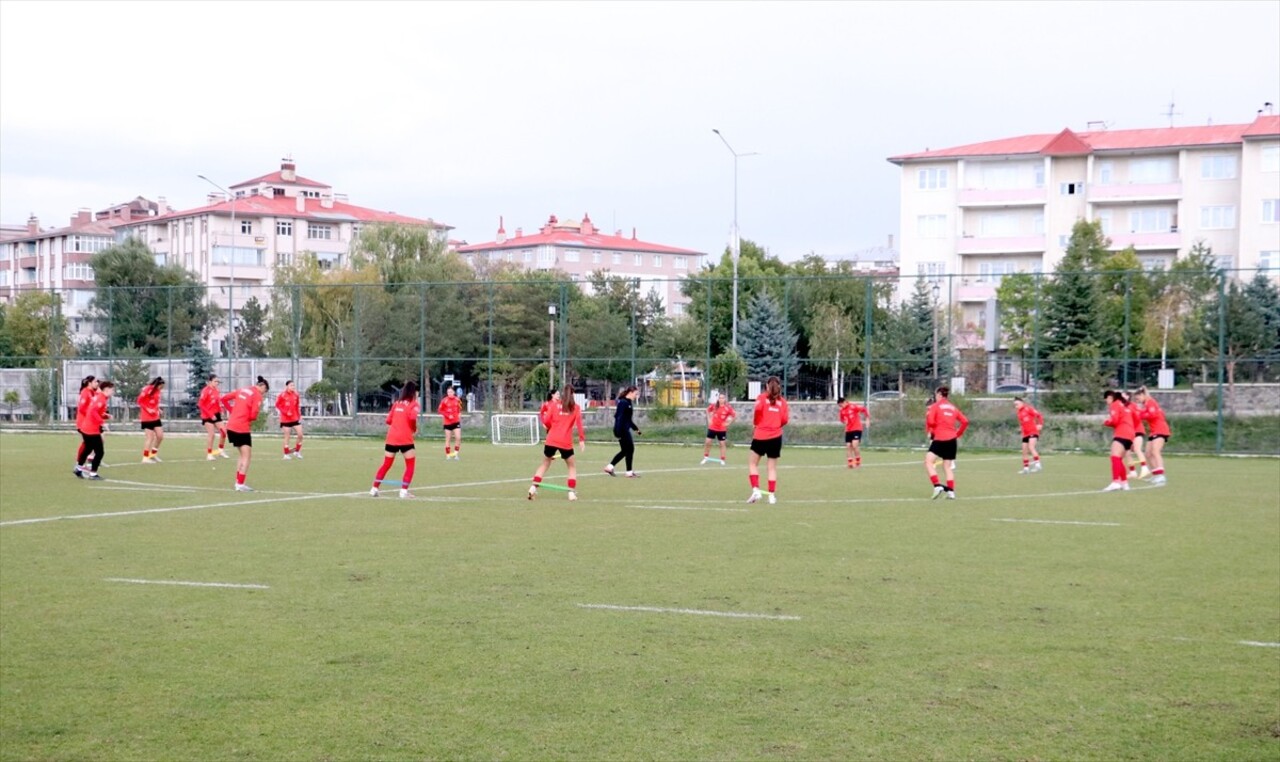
[(568, 403), (773, 388), (263, 383), (409, 392)]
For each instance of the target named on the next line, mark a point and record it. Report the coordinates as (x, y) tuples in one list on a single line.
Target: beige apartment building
[(982, 211)]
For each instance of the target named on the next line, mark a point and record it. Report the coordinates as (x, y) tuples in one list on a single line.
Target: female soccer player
[(563, 420), (95, 418), (152, 426), (451, 412), (244, 406), (1160, 433), (546, 414), (623, 425), (852, 416), (945, 424), (210, 405), (1120, 419), (402, 424), (770, 416), (1032, 423), (88, 388), (719, 416), (1138, 463), (290, 406)]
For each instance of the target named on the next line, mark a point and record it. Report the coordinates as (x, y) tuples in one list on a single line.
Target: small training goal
[(515, 430)]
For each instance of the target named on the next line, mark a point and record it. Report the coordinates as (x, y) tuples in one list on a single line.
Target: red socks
[(573, 484), (1118, 472), (951, 484), (773, 485), (239, 478), (409, 463), (755, 480), (387, 460), (934, 479)]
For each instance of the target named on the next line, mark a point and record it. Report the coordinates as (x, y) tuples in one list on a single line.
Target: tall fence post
[(866, 341), (1222, 349), (422, 331), (1035, 340), (1128, 301)]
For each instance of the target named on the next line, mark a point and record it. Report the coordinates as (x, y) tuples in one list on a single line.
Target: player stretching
[(1160, 433), (560, 422), (945, 424), (623, 425), (244, 405), (770, 416), (88, 389), (451, 411), (402, 423), (853, 416), (547, 413), (1139, 468), (1120, 419), (149, 416), (1032, 424), (210, 405), (719, 416), (290, 406), (95, 418)]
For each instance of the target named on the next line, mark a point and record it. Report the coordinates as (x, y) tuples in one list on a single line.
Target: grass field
[(655, 618)]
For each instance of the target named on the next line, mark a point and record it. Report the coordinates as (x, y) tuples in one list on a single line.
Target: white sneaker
[(1036, 466), (1158, 480), (1025, 470), (1145, 473), (287, 456), (243, 488), (91, 475), (1113, 487), (373, 492), (297, 455), (1124, 486), (572, 496), (705, 460), (951, 494), (406, 494), (223, 454), (755, 496), (938, 489), (609, 470), (156, 459), (722, 461), (210, 456), (533, 491), (773, 499), (147, 461)]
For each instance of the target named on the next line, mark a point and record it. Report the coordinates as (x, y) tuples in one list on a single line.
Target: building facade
[(579, 249)]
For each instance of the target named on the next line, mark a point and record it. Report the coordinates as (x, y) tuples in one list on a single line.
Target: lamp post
[(736, 243), (231, 290), (936, 289), (551, 347)]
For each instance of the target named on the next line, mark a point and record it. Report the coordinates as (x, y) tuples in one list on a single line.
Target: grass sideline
[(1034, 618)]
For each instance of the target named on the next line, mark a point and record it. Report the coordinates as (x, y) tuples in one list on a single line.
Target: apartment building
[(985, 210), (578, 249)]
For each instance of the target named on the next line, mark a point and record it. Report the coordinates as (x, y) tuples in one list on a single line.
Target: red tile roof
[(286, 207), (574, 238), (277, 178)]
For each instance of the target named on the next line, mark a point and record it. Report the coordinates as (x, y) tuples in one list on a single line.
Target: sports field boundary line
[(686, 508), (695, 612), (1073, 523), (184, 583), (1257, 643), (174, 509)]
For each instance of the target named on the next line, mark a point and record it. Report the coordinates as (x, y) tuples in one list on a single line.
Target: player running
[(1120, 419), (853, 416), (91, 428), (149, 416), (623, 425), (945, 424), (560, 422), (88, 388), (1032, 423), (451, 411), (210, 405), (244, 405), (719, 416), (289, 404), (402, 423), (1160, 433), (770, 417)]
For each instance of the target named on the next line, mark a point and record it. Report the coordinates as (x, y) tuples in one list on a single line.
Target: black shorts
[(1154, 437), (853, 436), (214, 420), (152, 425), (1029, 437), (240, 438), (452, 426), (549, 451), (767, 448), (944, 448), (393, 449), (720, 435), (1127, 444), (289, 424)]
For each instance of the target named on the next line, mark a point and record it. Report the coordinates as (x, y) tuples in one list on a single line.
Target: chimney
[(33, 224), (587, 228), (162, 205), (83, 217), (633, 234), (502, 232), (300, 203), (519, 232), (891, 241), (288, 170)]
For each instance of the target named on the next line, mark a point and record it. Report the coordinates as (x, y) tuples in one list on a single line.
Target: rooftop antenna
[(1171, 113), (1098, 123)]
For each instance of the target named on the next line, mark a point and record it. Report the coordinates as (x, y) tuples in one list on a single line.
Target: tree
[(131, 373), (757, 271), (729, 372), (1070, 297), (11, 398), (251, 328), (199, 368), (767, 341), (33, 331), (834, 336), (1017, 298), (1178, 296)]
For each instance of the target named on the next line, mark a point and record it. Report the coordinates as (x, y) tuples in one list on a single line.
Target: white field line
[(1075, 523), (179, 490), (686, 508), (697, 612), (185, 584), (1257, 643), (142, 512)]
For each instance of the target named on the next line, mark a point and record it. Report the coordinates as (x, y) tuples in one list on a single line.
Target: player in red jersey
[(719, 415), (1160, 433), (1138, 452), (210, 405), (561, 421), (88, 388), (149, 417), (91, 428), (289, 404), (547, 413), (945, 424), (1032, 423), (770, 416), (402, 425), (1120, 419), (451, 412), (853, 416), (244, 405)]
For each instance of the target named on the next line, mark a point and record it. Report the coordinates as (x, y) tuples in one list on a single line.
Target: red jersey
[(210, 403), (851, 416), (547, 413), (450, 410), (95, 414), (403, 420), (1135, 412), (1120, 419), (770, 417), (719, 416), (82, 407), (244, 406), (1030, 420), (149, 404), (942, 420), (560, 432), (1152, 414), (289, 403)]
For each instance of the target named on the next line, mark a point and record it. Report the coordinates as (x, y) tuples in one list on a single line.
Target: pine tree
[(1071, 299), (767, 341), (199, 368)]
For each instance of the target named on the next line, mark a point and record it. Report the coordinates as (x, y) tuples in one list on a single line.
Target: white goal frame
[(508, 429)]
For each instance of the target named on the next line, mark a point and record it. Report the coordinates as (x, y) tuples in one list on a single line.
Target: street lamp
[(736, 250), (936, 289), (231, 291), (551, 347)]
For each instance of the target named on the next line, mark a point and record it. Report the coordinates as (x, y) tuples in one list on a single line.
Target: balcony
[(1005, 245), (1134, 192), (1146, 241), (974, 290), (1001, 197), (242, 272)]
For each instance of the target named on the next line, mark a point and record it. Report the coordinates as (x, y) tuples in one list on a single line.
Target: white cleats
[(951, 494), (155, 458), (705, 460), (572, 496), (609, 470), (1025, 470), (722, 461), (210, 456), (373, 492), (297, 455), (755, 496), (406, 494), (533, 491), (938, 489), (1145, 473), (1158, 480), (243, 488), (1115, 487), (1036, 467), (773, 499), (147, 461), (223, 454), (287, 456)]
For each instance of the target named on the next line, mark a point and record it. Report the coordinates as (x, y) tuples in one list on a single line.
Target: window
[(28, 275), (1037, 175), (1270, 159), (284, 258), (932, 271), (994, 272), (1106, 170), (997, 226), (680, 263), (310, 194), (1217, 217), (1104, 216), (546, 256), (1071, 189), (657, 260), (4, 277), (932, 178), (246, 227), (617, 258), (1154, 263), (571, 255), (318, 231), (88, 244), (1152, 171), (1063, 241), (596, 257), (284, 227), (1218, 167), (931, 226), (1149, 221), (1037, 223), (1225, 261), (78, 271), (1268, 260), (999, 176), (244, 255), (639, 260), (527, 255), (1271, 210), (188, 227)]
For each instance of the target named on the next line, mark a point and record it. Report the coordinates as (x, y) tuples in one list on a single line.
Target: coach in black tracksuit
[(622, 428)]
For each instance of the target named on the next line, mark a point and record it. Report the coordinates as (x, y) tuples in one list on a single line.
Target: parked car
[(887, 395), (1015, 389)]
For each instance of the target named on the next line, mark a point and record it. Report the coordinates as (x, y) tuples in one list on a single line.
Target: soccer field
[(160, 615)]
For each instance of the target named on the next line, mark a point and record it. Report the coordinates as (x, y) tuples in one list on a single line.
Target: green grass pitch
[(655, 618)]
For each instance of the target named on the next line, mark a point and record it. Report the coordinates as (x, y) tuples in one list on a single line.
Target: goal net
[(515, 430)]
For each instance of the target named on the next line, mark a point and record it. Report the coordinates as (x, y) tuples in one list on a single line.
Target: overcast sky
[(466, 111)]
